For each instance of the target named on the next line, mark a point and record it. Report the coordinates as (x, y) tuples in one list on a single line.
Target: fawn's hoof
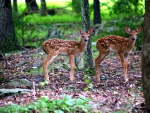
[(126, 79), (47, 80), (97, 79), (72, 79)]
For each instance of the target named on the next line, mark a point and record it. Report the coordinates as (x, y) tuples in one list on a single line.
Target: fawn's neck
[(82, 46), (131, 44)]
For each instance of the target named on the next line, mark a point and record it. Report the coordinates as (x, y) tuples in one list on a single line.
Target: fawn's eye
[(82, 36), (130, 34)]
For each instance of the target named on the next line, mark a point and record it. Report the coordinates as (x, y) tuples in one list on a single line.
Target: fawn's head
[(85, 36), (133, 33)]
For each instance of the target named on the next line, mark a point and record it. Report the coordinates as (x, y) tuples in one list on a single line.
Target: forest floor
[(109, 95)]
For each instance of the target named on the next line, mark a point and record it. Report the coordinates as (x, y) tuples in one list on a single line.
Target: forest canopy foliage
[(114, 13)]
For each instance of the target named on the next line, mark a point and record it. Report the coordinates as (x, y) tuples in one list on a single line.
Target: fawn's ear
[(90, 31), (138, 30), (80, 31), (127, 29)]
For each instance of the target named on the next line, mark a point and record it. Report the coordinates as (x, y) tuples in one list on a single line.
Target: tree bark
[(43, 8), (88, 60), (146, 55), (8, 40), (31, 5), (97, 16), (15, 6)]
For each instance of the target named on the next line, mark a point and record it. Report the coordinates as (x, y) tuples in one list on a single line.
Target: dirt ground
[(109, 95)]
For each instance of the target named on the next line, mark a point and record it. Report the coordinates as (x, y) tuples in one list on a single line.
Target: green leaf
[(58, 111)]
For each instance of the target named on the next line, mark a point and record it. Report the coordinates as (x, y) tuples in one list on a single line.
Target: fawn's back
[(113, 44), (61, 46)]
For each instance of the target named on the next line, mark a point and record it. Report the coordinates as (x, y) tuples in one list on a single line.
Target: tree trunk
[(8, 40), (97, 16), (43, 8), (31, 5), (88, 60), (15, 7), (146, 55)]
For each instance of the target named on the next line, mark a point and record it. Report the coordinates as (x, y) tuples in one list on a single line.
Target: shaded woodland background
[(26, 24)]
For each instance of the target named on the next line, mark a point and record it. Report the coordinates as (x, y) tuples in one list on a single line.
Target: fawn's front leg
[(124, 62), (45, 64), (72, 66), (98, 60), (97, 70)]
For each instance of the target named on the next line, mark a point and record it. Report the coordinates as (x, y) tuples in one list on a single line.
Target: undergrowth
[(44, 105)]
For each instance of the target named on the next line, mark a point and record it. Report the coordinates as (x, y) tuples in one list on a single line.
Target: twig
[(34, 90)]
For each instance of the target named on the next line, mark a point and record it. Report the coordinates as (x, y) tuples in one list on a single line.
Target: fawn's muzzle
[(133, 39), (85, 40)]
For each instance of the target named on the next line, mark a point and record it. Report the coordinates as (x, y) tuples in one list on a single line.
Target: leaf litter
[(109, 95)]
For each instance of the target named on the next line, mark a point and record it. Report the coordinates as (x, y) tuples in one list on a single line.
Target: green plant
[(44, 105), (132, 6), (13, 108), (88, 72), (25, 31), (44, 83), (75, 6), (120, 111)]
